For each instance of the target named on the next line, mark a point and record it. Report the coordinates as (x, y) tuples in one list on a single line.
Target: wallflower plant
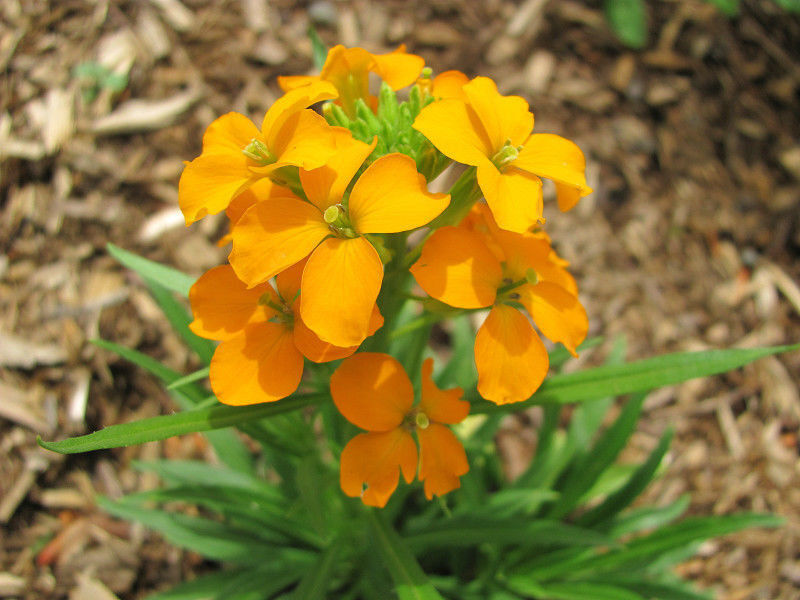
[(344, 259)]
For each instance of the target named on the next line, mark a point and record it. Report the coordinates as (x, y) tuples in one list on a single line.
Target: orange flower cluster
[(320, 208)]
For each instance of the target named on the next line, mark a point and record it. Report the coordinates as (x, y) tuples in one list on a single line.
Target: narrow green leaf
[(460, 369), (410, 581), (229, 448), (469, 531), (639, 376), (179, 318), (318, 48), (190, 378), (792, 6), (628, 20), (159, 428), (170, 278), (560, 355), (729, 8), (314, 584), (623, 497), (590, 466), (649, 517), (202, 588), (577, 590)]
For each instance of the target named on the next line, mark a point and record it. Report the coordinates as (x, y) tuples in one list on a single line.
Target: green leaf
[(648, 517), (729, 8), (590, 466), (318, 48), (469, 531), (190, 378), (628, 20), (170, 278), (639, 376), (790, 5), (315, 583), (622, 498), (159, 428), (179, 319), (229, 448), (577, 590), (460, 368), (409, 579), (202, 588), (216, 540)]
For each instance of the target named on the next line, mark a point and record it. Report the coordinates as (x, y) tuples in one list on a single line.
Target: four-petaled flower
[(374, 393)]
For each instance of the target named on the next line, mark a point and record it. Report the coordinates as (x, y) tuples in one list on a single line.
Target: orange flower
[(485, 266), (236, 154), (348, 70), (263, 338), (344, 272), (492, 132), (374, 393)]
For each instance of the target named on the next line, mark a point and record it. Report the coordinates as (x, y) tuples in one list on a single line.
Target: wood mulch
[(691, 240)]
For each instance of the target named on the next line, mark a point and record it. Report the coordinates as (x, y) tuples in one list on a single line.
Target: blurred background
[(690, 241)]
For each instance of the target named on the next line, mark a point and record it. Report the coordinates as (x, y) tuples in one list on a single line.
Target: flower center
[(338, 222), (258, 152), (505, 156)]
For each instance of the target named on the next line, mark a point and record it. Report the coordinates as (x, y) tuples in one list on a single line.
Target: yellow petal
[(454, 128), (374, 461), (291, 102), (504, 118), (391, 196), (441, 406), (511, 359), (442, 460), (304, 140), (229, 133), (514, 196), (290, 82), (557, 313), (372, 391), (222, 305), (210, 182), (326, 185), (272, 236), (341, 282), (449, 84), (288, 282), (315, 350), (398, 68), (259, 365), (557, 158), (457, 268)]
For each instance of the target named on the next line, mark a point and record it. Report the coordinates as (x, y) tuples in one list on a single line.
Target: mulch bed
[(691, 240)]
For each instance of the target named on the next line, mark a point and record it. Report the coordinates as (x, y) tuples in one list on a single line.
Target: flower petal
[(504, 118), (454, 128), (304, 140), (326, 185), (272, 236), (290, 82), (449, 84), (222, 305), (315, 350), (341, 282), (514, 196), (391, 196), (375, 460), (457, 268), (398, 68), (260, 365), (229, 133), (511, 359), (291, 102), (372, 391), (441, 406), (442, 460), (557, 158), (557, 313), (210, 182)]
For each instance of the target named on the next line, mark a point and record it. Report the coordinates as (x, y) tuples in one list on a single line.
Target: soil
[(690, 240)]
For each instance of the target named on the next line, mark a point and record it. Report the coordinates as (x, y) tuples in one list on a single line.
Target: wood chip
[(11, 585), (145, 115), (256, 14), (16, 407), (153, 35), (162, 221), (18, 352), (11, 499), (59, 123), (727, 424), (176, 14)]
